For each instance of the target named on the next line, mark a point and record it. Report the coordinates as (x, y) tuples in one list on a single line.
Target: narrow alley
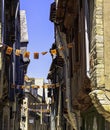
[(75, 94)]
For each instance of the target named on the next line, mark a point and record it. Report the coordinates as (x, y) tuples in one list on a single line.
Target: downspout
[(59, 110), (87, 40), (52, 118), (53, 122)]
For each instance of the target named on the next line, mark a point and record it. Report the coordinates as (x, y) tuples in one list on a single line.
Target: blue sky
[(41, 35)]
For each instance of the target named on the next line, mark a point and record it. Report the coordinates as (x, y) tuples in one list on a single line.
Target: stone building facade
[(85, 25), (10, 71)]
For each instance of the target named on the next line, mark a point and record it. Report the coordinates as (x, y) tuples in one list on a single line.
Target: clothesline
[(18, 52)]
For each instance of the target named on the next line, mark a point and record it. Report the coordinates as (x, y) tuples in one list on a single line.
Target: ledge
[(101, 102)]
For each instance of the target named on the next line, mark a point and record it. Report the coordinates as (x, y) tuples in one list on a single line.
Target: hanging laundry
[(53, 51), (9, 50), (36, 55), (44, 52), (18, 52), (26, 54)]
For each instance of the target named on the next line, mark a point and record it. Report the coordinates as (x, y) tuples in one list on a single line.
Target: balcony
[(59, 61), (53, 12), (57, 13)]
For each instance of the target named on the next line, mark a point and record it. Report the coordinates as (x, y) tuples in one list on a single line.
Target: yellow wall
[(107, 42)]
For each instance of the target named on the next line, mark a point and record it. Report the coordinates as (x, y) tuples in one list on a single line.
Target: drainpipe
[(52, 118), (59, 110), (87, 40)]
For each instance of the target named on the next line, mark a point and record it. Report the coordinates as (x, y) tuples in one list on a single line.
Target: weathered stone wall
[(97, 45), (107, 42)]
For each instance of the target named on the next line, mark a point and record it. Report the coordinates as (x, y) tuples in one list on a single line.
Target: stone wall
[(97, 46), (107, 42)]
